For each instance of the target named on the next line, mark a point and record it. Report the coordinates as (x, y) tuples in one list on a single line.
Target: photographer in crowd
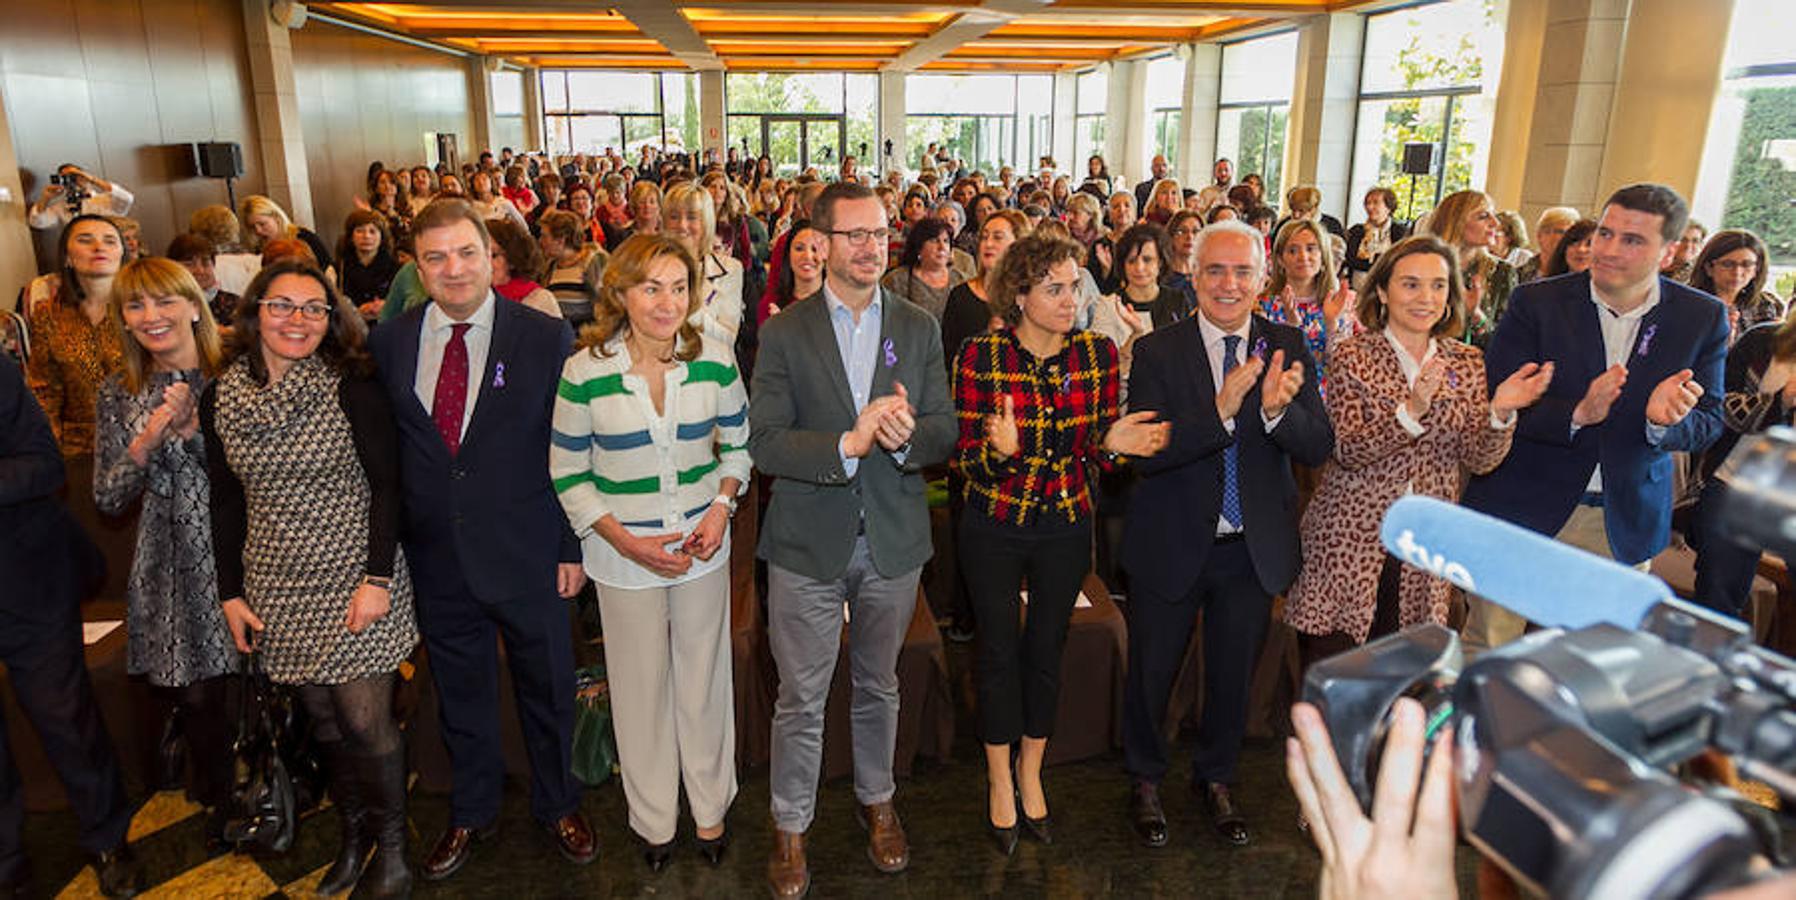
[(74, 191)]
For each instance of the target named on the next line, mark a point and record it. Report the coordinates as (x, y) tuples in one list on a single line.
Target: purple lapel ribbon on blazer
[(891, 353), (499, 374), (1646, 340), (1259, 349)]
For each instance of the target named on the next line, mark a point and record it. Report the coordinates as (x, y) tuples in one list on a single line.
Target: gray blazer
[(799, 407)]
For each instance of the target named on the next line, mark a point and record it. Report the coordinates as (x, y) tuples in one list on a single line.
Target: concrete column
[(1061, 132), (1197, 120), (1580, 63), (1324, 108), (18, 258), (1670, 79), (711, 132), (1125, 121), (533, 109), (277, 112), (892, 110), (480, 109), (1523, 36)]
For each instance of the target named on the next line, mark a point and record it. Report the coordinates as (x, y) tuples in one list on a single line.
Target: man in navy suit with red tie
[(1638, 365), (473, 379)]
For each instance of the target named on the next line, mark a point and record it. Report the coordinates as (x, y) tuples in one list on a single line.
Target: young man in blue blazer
[(1637, 376)]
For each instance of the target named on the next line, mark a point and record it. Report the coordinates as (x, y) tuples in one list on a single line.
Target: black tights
[(208, 723), (358, 713)]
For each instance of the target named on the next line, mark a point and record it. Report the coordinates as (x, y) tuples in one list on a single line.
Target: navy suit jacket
[(1548, 468), (47, 562), (1171, 522), (485, 520)]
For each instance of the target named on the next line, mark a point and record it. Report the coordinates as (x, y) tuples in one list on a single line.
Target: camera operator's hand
[(1406, 848)]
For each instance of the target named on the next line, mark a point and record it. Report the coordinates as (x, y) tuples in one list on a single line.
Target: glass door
[(783, 141), (823, 139)]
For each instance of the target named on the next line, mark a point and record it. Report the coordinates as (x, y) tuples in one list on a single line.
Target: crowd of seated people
[(507, 379)]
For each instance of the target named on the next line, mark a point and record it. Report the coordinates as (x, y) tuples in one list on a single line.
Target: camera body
[(74, 189)]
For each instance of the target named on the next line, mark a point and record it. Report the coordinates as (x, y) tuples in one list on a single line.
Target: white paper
[(1083, 602), (94, 632)]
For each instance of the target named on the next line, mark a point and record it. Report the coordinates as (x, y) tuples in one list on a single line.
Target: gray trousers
[(804, 630)]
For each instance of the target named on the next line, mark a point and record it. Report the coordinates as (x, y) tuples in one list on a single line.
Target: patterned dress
[(175, 629), (1310, 320), (306, 540)]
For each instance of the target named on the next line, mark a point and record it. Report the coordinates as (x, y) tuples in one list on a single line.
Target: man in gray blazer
[(850, 402)]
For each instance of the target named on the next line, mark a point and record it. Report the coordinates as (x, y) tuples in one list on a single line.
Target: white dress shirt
[(1213, 348), (1619, 331), (434, 337)]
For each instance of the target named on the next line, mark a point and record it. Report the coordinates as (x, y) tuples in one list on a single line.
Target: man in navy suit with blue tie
[(1213, 525), (1637, 376), (473, 379)]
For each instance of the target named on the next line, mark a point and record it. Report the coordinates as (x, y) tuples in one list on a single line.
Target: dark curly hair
[(1146, 234), (922, 233), (344, 345), (1023, 266)]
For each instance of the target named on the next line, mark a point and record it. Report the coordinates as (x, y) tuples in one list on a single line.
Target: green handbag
[(595, 746)]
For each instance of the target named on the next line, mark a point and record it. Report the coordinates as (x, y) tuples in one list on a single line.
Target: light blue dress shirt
[(858, 343)]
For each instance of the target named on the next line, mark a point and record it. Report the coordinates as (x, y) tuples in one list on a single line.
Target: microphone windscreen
[(1540, 579)]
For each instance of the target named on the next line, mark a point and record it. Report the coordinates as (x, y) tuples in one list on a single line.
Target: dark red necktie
[(451, 396)]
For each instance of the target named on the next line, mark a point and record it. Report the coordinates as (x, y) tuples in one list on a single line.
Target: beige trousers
[(1488, 625), (667, 658)]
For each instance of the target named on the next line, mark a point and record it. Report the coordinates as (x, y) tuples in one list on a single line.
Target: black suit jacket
[(47, 563), (487, 517), (1171, 522)]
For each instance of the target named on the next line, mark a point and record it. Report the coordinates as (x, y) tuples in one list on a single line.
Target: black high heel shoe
[(1004, 838), (712, 848), (658, 856)]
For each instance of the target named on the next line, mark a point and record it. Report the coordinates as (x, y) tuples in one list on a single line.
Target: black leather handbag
[(265, 811)]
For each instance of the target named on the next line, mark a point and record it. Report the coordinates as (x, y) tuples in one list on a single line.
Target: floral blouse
[(1309, 320)]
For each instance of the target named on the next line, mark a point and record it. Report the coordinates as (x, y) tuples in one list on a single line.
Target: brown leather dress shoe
[(788, 875), (574, 838), (886, 844), (452, 851)]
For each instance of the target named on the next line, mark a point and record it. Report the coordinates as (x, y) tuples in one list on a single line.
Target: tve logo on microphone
[(1436, 564)]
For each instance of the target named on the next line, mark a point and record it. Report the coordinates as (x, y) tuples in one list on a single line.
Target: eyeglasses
[(282, 308), (864, 236), (1736, 265)]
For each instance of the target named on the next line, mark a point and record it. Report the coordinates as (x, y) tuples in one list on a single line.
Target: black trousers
[(1019, 666), (1313, 648), (49, 676), (1236, 614), (461, 634), (1724, 569)]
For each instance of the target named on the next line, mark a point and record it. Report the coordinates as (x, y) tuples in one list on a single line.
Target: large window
[(803, 120), (507, 92), (1748, 177), (986, 120), (1165, 104), (1090, 99), (591, 111), (1254, 106), (1429, 77)]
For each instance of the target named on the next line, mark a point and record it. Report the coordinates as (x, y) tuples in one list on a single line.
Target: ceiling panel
[(855, 35)]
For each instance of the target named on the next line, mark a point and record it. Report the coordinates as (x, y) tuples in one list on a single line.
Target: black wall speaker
[(1418, 159), (219, 159)]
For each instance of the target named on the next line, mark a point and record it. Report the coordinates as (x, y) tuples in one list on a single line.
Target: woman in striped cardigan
[(648, 455)]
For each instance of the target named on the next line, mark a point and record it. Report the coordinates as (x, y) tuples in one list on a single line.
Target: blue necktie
[(1231, 484)]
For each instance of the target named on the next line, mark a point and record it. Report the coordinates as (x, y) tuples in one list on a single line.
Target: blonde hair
[(629, 267), (1303, 199), (259, 205), (1163, 187), (1447, 222), (1325, 283), (692, 197), (154, 276), (218, 225)]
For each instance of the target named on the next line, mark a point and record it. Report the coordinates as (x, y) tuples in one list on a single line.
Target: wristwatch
[(379, 581), (728, 501)]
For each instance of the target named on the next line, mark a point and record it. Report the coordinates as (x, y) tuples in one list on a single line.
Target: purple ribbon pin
[(1453, 379), (1646, 340), (499, 374), (891, 353), (1259, 349)]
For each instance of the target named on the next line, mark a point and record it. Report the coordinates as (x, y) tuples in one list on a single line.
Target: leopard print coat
[(1375, 462)]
